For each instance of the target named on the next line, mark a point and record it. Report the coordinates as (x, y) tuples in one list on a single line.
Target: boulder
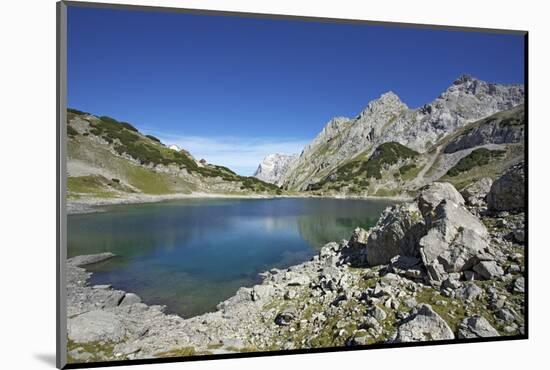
[(424, 325), (505, 315), (508, 191), (378, 313), (262, 292), (476, 327), (397, 233), (109, 298), (488, 270), (454, 239), (329, 249), (359, 339), (519, 235), (468, 292), (129, 299), (475, 194), (431, 195), (519, 285), (242, 296), (359, 238), (95, 326)]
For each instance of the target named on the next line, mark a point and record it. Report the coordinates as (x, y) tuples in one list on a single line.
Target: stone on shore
[(130, 298), (95, 326), (89, 259)]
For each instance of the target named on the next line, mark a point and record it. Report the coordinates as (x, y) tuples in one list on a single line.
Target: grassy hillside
[(110, 158), (389, 163), (491, 165)]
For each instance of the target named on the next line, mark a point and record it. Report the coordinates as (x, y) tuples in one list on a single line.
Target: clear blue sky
[(232, 89)]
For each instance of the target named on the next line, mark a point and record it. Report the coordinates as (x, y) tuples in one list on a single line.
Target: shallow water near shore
[(192, 254)]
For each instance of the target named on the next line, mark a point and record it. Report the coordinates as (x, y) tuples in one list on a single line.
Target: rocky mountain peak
[(388, 102), (464, 78)]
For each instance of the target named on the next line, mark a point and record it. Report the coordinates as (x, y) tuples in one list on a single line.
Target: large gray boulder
[(475, 194), (94, 326), (423, 326), (476, 327), (508, 191), (488, 269), (454, 239), (431, 195), (397, 233), (130, 299), (359, 238)]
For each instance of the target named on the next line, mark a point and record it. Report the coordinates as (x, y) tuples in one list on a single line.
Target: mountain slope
[(112, 159), (388, 119)]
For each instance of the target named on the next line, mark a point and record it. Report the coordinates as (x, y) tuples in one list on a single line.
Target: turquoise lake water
[(192, 254)]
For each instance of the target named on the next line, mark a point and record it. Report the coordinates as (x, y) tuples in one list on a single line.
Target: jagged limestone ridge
[(388, 119)]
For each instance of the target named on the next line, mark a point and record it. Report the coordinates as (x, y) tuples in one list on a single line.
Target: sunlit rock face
[(273, 167)]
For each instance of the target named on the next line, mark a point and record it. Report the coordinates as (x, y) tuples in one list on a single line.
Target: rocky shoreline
[(92, 205), (444, 266)]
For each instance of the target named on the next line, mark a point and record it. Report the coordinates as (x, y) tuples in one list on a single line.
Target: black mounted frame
[(61, 225)]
